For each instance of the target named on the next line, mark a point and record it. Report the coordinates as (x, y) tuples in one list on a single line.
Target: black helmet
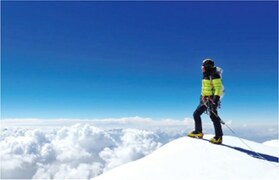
[(208, 63)]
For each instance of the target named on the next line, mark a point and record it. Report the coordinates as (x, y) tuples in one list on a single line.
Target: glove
[(216, 99), (204, 99), (214, 102)]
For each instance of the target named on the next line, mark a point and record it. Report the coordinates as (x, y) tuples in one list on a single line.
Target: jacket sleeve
[(218, 86)]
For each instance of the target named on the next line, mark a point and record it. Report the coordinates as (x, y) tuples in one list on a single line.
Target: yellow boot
[(195, 134), (216, 140)]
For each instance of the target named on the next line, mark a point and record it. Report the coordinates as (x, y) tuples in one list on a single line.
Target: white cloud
[(67, 171), (126, 122), (78, 151), (134, 145)]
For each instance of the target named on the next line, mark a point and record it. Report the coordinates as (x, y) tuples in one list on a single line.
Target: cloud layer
[(78, 151)]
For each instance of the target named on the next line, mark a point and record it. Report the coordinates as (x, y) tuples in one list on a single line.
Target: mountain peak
[(198, 159)]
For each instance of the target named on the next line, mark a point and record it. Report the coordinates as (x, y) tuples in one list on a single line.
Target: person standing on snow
[(212, 90)]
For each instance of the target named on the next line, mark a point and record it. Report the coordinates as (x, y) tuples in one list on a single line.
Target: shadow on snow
[(252, 153)]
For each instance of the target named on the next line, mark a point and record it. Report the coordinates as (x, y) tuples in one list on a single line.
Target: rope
[(222, 122), (259, 155)]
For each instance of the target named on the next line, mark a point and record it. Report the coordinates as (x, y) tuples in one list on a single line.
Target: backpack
[(220, 71)]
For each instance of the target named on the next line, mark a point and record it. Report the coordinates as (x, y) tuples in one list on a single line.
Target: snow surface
[(188, 158), (274, 143)]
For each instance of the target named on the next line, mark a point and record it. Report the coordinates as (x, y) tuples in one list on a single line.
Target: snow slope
[(188, 158), (274, 143)]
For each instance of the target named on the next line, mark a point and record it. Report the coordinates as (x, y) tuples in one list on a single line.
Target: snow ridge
[(188, 158)]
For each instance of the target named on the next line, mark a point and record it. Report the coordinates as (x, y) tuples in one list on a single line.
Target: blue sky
[(120, 59)]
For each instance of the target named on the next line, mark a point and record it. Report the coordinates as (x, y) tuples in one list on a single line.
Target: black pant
[(216, 121)]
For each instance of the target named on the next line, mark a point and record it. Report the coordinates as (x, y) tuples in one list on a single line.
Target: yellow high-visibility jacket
[(212, 85)]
